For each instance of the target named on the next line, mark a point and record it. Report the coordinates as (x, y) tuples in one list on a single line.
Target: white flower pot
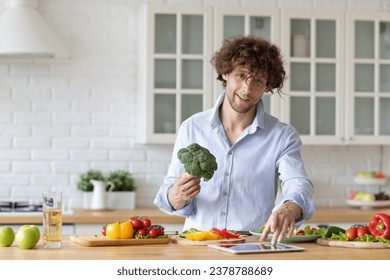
[(87, 198), (121, 200)]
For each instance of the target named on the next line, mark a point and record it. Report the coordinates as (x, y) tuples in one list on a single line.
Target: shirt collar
[(257, 122)]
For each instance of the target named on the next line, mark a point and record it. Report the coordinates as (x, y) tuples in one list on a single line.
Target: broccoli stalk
[(198, 161)]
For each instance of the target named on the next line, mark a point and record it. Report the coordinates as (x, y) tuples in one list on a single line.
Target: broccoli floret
[(198, 161)]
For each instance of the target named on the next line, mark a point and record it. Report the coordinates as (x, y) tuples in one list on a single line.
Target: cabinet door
[(175, 72), (247, 21), (313, 47), (369, 78)]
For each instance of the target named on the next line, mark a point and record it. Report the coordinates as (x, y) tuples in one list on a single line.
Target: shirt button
[(225, 193), (223, 214), (226, 173)]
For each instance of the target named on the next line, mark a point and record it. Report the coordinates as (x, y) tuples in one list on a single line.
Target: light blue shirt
[(241, 194)]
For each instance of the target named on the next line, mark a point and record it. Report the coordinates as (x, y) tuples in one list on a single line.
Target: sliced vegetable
[(334, 230), (201, 236), (227, 234), (379, 226), (190, 230)]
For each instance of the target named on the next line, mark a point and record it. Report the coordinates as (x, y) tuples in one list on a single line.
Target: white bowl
[(370, 181)]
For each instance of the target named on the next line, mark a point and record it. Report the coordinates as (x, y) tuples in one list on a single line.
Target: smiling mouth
[(242, 98)]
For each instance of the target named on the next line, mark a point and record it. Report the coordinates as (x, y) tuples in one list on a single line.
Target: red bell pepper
[(379, 226), (227, 234), (224, 233), (216, 231)]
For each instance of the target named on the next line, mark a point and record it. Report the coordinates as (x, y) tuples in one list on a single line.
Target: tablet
[(248, 248)]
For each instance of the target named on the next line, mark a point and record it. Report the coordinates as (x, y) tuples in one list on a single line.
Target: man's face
[(244, 91)]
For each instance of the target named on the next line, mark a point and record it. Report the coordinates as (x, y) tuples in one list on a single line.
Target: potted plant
[(123, 192)]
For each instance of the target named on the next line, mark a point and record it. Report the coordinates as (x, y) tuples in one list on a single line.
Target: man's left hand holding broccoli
[(198, 163)]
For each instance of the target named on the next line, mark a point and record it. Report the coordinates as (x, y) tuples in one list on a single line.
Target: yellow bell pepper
[(201, 236), (119, 230)]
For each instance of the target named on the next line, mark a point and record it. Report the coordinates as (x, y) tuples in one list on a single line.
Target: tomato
[(362, 231), (153, 232), (142, 232), (137, 224), (104, 231), (146, 222), (351, 233), (312, 230), (301, 232)]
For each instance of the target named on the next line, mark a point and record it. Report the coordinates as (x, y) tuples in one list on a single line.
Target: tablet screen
[(266, 247)]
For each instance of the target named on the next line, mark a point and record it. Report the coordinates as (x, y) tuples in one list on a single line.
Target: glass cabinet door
[(246, 21), (369, 68), (313, 47), (176, 82)]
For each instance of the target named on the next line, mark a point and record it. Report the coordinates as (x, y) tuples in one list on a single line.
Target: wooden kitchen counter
[(80, 216), (73, 251)]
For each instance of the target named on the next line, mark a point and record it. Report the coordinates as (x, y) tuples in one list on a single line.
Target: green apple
[(7, 236), (27, 236)]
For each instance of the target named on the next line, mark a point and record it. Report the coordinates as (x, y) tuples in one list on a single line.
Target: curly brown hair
[(257, 54)]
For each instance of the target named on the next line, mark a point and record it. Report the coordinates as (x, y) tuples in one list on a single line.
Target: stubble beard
[(241, 109)]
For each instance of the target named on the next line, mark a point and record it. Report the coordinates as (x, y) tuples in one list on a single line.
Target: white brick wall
[(59, 119)]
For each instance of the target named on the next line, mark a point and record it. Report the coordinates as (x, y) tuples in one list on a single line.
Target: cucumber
[(191, 230), (333, 229)]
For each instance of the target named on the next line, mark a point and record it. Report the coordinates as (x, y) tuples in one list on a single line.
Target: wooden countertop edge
[(82, 216), (85, 216)]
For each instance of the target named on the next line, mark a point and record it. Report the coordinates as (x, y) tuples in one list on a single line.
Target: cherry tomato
[(351, 233), (153, 232), (104, 231), (136, 223), (362, 231), (142, 232), (146, 222), (312, 230), (301, 232)]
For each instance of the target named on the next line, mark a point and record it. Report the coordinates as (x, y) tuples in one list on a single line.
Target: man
[(251, 148)]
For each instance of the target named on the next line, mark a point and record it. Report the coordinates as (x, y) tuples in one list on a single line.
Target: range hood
[(24, 33)]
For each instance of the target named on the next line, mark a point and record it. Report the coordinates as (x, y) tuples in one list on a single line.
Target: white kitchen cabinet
[(368, 87), (338, 69), (247, 21), (175, 72), (313, 47)]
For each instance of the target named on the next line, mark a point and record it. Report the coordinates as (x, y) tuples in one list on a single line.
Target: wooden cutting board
[(352, 244), (183, 241), (93, 240)]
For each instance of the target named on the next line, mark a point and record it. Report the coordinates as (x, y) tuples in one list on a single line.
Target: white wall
[(60, 119)]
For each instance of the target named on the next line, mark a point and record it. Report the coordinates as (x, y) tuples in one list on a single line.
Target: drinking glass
[(52, 219)]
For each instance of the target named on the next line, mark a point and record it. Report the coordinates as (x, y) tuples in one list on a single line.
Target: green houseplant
[(84, 183), (123, 193), (120, 196), (122, 180)]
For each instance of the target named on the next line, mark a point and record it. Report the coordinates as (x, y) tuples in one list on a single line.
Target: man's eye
[(258, 82), (242, 76)]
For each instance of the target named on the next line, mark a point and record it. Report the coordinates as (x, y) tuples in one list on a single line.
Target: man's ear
[(225, 76)]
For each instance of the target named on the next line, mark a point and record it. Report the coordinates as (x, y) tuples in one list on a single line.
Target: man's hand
[(282, 222), (185, 188)]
